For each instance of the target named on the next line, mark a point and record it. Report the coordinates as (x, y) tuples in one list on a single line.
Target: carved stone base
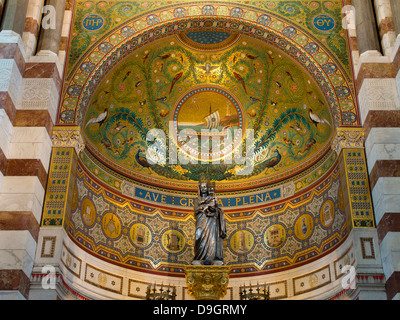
[(207, 282)]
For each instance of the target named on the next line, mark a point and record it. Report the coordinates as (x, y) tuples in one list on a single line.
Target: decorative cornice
[(68, 137), (348, 138)]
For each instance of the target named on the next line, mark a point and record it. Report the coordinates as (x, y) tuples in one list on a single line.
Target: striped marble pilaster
[(383, 154), (29, 93), (349, 13), (20, 196), (12, 66), (378, 84)]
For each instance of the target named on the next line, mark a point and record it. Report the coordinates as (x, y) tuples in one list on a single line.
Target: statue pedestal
[(207, 282)]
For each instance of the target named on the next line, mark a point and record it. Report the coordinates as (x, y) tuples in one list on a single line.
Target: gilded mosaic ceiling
[(248, 87), (203, 72)]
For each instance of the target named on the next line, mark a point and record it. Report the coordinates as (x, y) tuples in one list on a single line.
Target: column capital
[(347, 137), (50, 38), (67, 137)]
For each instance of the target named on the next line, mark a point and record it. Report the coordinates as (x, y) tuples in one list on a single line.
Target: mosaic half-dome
[(226, 106)]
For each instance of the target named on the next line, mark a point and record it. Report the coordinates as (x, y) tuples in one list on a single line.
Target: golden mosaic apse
[(237, 113), (248, 94)]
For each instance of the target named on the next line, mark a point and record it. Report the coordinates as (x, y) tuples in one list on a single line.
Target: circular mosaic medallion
[(88, 212), (111, 225), (327, 213), (323, 22), (208, 114), (93, 22), (173, 241), (304, 226)]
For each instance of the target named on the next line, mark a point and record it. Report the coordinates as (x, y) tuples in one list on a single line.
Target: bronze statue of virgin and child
[(210, 226)]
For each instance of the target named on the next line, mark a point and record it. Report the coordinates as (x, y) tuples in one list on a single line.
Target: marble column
[(14, 16), (32, 26), (395, 4), (384, 18), (49, 39), (367, 29)]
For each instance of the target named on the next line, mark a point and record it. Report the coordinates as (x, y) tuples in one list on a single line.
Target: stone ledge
[(26, 167), (34, 118), (395, 56), (8, 105), (11, 79), (23, 185), (39, 94), (46, 56), (386, 203), (6, 129), (390, 253), (20, 202), (44, 70), (9, 37), (371, 56), (17, 250), (12, 47), (31, 143), (378, 137)]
